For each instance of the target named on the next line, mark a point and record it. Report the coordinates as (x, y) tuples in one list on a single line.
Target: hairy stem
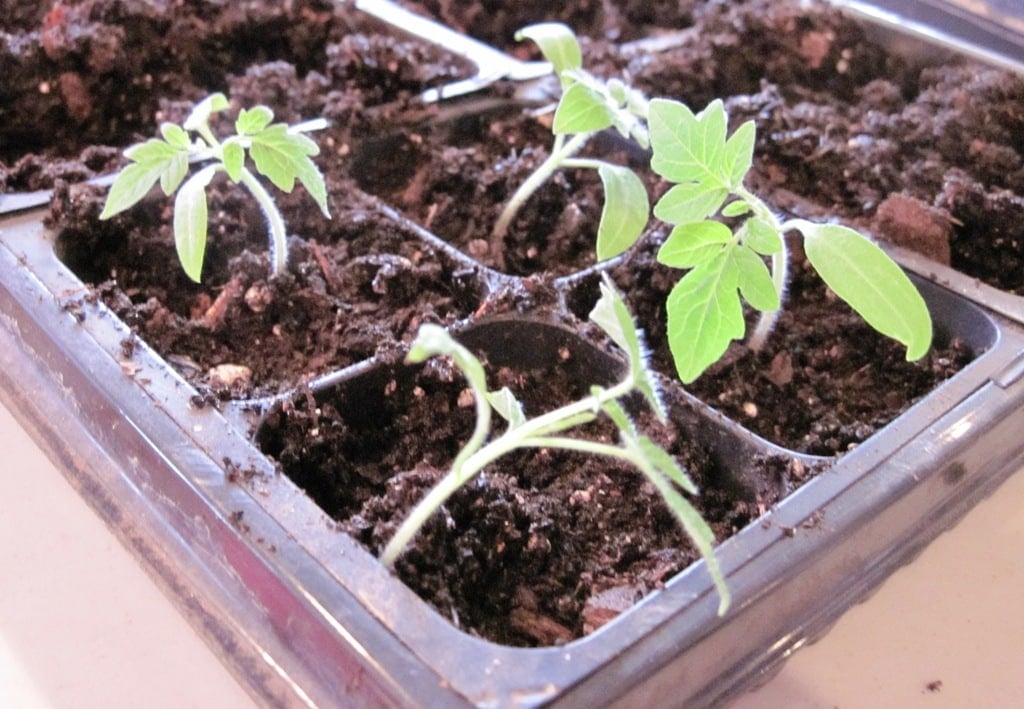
[(207, 135), (779, 269), (275, 224), (766, 321), (561, 151)]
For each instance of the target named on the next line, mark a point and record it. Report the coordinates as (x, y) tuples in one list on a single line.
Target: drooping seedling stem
[(546, 431)]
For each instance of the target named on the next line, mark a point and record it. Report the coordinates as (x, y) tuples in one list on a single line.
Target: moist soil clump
[(497, 22), (106, 72), (356, 287)]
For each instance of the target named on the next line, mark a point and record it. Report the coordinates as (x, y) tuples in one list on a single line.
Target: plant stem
[(561, 151), (275, 224), (533, 433), (211, 140), (779, 269)]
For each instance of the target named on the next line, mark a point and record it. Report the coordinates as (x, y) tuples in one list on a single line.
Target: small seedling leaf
[(175, 136), (761, 236), (736, 208), (688, 147), (755, 280), (152, 151), (691, 244), (625, 213), (704, 315), (610, 315), (152, 161), (505, 403), (233, 156), (200, 115), (613, 409), (557, 43), (174, 172), (251, 121), (660, 459), (699, 532), (739, 153), (863, 275), (581, 110), (190, 222), (690, 202), (131, 185), (283, 157), (434, 340)]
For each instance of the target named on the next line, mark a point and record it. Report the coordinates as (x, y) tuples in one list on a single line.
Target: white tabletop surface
[(81, 625)]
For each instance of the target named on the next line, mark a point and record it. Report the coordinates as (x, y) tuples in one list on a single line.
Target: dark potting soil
[(497, 22), (106, 72), (356, 287), (923, 156), (845, 128)]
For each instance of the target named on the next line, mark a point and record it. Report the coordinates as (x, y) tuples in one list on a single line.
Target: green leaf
[(761, 236), (625, 213), (174, 172), (688, 147), (691, 244), (704, 315), (252, 120), (699, 532), (283, 157), (233, 156), (863, 275), (131, 185), (739, 153), (755, 280), (175, 136), (689, 202), (152, 151), (190, 222), (508, 407), (152, 161), (736, 208), (200, 115), (611, 315), (581, 110), (557, 43), (616, 413)]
